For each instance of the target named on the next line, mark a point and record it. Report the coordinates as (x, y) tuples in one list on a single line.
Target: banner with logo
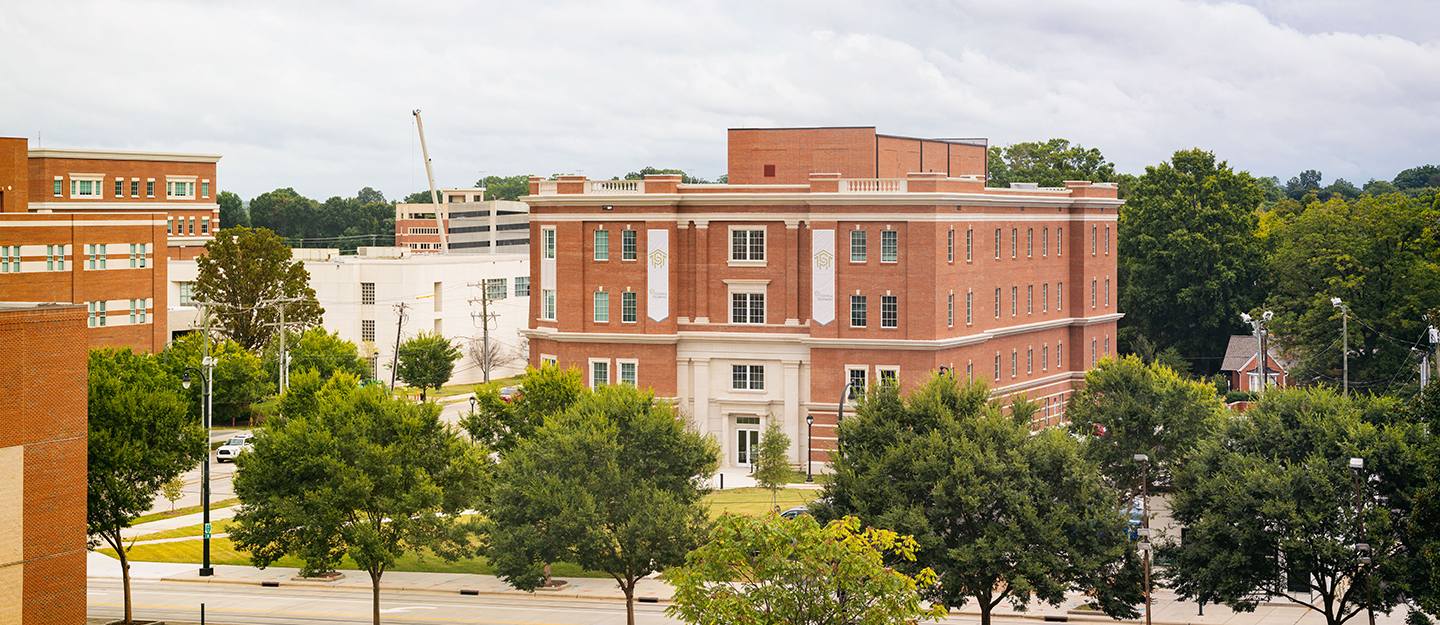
[(822, 276), (658, 275)]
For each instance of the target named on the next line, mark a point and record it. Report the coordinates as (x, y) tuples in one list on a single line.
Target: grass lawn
[(218, 527), (222, 551), (214, 505), (756, 501)]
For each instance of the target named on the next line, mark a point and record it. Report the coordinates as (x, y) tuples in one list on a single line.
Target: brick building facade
[(96, 228), (833, 256), (42, 464)]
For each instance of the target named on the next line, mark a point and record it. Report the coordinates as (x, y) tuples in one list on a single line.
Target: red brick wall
[(45, 408), (798, 152), (44, 170), (14, 175)]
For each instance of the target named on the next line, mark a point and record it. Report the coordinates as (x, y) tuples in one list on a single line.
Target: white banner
[(658, 275), (822, 276)]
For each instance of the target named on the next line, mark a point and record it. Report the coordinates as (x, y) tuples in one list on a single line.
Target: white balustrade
[(614, 186), (872, 185)]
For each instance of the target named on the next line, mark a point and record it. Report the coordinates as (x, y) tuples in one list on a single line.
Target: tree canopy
[(339, 222), (1270, 507), (501, 425), (356, 473), (772, 459), (240, 379), (774, 570), (242, 269), (426, 361), (613, 484), (232, 210), (1049, 163), (1188, 246), (140, 437), (998, 513), (685, 178), (317, 349)]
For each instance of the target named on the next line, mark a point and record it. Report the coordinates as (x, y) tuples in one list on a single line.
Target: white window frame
[(602, 252), (864, 310), (95, 184), (629, 307), (59, 186), (850, 377), (590, 371), (969, 244), (969, 307), (881, 370), (890, 318), (601, 306), (747, 287), (997, 244), (9, 258), (549, 359), (1045, 297), (748, 260), (55, 254), (629, 245), (180, 187), (748, 371), (634, 376), (859, 247), (547, 243), (522, 286), (547, 304), (950, 310), (889, 246), (950, 245), (1059, 236), (1029, 243)]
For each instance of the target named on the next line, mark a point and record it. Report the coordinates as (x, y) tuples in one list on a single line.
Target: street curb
[(463, 591)]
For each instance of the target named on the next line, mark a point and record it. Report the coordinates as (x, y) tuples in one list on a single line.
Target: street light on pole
[(1262, 364), (1362, 549), (1144, 532), (207, 383), (809, 446), (1345, 341)]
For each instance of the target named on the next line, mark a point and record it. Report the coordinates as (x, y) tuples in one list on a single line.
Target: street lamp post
[(1144, 532), (809, 445), (207, 383), (1362, 549), (1344, 341), (844, 396), (1262, 363)]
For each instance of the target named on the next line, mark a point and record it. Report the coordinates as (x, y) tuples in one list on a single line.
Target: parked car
[(510, 394), (232, 448), (796, 511)]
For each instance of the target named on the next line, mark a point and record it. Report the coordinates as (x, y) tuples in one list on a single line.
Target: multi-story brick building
[(833, 257), (96, 227), (42, 463)]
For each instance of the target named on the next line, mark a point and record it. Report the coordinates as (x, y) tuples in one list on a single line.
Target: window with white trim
[(599, 373), (1107, 347), (205, 189), (969, 310), (1092, 352), (1014, 242), (137, 310), (627, 371), (187, 293), (547, 243), (1059, 237), (950, 311), (1107, 239), (997, 302), (150, 188), (857, 311), (97, 314), (889, 246), (95, 256), (1014, 363), (890, 311), (602, 307), (1044, 241), (1059, 295), (9, 259), (54, 258), (747, 245), (204, 225), (747, 377), (887, 376), (997, 367), (747, 307), (547, 304), (85, 188), (522, 286), (1044, 357), (180, 190), (1045, 297), (137, 255), (858, 248), (1029, 243), (1092, 293), (1014, 301), (1107, 292), (857, 377), (497, 288), (119, 187), (997, 244), (1029, 299), (969, 245), (602, 245), (950, 245), (1092, 240), (628, 247), (1058, 359), (134, 187), (1029, 360), (629, 307), (59, 186)]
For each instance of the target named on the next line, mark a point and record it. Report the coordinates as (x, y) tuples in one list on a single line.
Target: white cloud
[(318, 95)]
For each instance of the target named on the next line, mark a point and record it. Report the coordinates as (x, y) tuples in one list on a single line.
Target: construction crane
[(434, 195)]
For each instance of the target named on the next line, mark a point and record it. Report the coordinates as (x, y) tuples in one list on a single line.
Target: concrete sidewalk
[(162, 525)]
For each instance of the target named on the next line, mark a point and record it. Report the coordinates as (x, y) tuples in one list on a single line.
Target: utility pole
[(484, 319), (284, 357), (401, 318), (1345, 340)]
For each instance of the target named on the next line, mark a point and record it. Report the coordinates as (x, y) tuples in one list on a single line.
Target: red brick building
[(42, 464), (97, 227), (833, 256)]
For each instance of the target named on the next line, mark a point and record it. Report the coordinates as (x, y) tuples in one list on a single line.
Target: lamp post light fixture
[(1362, 549), (845, 396), (1344, 343), (1262, 364), (809, 446), (207, 383), (1144, 531)]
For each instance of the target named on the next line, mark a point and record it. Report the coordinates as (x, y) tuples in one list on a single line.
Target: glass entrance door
[(746, 442)]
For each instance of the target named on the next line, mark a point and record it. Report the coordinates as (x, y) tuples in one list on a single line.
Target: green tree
[(1423, 526), (998, 513), (172, 490), (232, 210), (1048, 163), (775, 570), (501, 425), (1418, 177), (1143, 409), (364, 475), (1270, 507), (1189, 255), (684, 177), (242, 269), (140, 437), (772, 460), (613, 484), (284, 212), (504, 187), (368, 195), (240, 376), (1379, 256), (427, 361), (317, 349)]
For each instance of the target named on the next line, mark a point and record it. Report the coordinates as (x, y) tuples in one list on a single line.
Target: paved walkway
[(171, 523)]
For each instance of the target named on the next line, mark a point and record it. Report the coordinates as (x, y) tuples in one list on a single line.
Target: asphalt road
[(252, 605)]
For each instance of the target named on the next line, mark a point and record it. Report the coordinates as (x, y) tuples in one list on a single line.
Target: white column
[(700, 389), (794, 424)]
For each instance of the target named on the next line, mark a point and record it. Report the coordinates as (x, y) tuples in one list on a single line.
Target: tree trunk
[(629, 589), (985, 612), (375, 588), (125, 577)]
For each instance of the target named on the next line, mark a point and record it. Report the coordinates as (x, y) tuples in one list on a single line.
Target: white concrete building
[(362, 294)]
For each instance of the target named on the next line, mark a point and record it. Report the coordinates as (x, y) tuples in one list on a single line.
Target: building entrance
[(746, 443)]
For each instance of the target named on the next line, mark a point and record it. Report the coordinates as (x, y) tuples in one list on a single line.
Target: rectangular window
[(204, 189), (627, 372), (628, 308), (132, 312), (187, 293), (1092, 240), (1044, 241), (1045, 298), (888, 377), (889, 246), (497, 288), (1107, 292), (1014, 242), (1059, 295), (997, 367), (1014, 301), (132, 256), (59, 187), (599, 374), (1058, 358), (602, 245), (857, 382), (950, 245), (747, 377), (969, 316), (169, 226), (602, 307), (1029, 360), (9, 258), (1107, 239), (192, 226), (547, 304), (1029, 242), (134, 188), (522, 286), (747, 308), (367, 330), (1059, 237), (969, 245), (91, 316), (1029, 299), (857, 246), (54, 258), (85, 188), (627, 245), (997, 244), (547, 243), (969, 372), (150, 188), (747, 245), (1092, 352), (857, 311), (1045, 358), (204, 225), (119, 188), (367, 293), (997, 303), (1107, 348), (890, 311), (950, 311), (1014, 364), (1092, 293)]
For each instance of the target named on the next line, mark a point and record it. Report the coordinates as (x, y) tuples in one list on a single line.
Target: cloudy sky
[(317, 95)]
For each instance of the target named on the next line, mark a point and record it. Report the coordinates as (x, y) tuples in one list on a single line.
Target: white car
[(232, 448)]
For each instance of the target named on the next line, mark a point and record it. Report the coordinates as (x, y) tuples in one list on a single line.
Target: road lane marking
[(334, 614)]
